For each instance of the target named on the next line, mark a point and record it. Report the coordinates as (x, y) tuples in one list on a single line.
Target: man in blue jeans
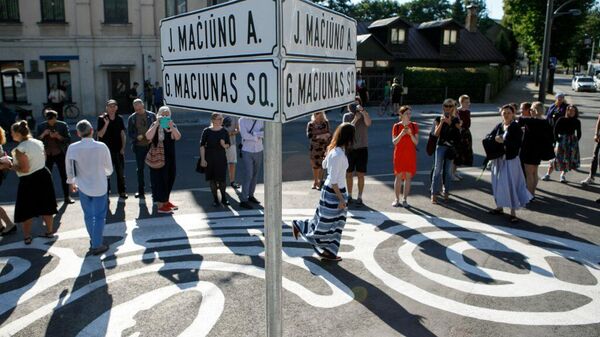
[(88, 166), (138, 123)]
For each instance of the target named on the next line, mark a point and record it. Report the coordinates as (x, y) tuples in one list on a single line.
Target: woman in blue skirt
[(324, 230), (508, 181)]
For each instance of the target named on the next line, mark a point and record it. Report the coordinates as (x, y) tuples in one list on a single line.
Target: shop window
[(9, 10), (398, 36), (53, 10), (14, 89), (174, 7), (449, 37), (115, 11)]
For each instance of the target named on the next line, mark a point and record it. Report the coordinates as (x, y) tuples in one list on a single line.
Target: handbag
[(199, 167), (493, 149), (156, 156), (431, 144)]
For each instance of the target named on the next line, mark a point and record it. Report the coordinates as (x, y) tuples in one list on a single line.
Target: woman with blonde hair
[(213, 145), (35, 194), (405, 139), (324, 230), (5, 164), (537, 143), (447, 130), (317, 131)]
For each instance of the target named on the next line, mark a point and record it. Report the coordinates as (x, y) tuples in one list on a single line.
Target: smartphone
[(353, 107), (359, 107), (164, 122)]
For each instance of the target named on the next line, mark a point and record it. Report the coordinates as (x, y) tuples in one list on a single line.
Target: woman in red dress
[(405, 138)]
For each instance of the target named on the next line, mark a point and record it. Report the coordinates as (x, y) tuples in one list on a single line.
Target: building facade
[(86, 46)]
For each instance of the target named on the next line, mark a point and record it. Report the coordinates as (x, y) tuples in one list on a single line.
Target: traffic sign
[(242, 28), (243, 88), (313, 31), (310, 86)]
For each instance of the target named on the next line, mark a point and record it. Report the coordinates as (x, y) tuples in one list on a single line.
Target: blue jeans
[(94, 215), (441, 167)]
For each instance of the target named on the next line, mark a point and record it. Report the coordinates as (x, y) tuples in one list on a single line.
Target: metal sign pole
[(273, 223)]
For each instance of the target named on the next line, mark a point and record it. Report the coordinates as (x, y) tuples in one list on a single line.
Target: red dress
[(405, 151)]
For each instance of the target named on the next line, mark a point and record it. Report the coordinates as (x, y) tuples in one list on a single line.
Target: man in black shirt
[(111, 131)]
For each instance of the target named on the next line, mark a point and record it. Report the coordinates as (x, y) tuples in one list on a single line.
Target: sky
[(494, 7)]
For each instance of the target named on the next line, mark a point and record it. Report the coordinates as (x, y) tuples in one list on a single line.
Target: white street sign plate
[(310, 86), (243, 88), (317, 32), (233, 29)]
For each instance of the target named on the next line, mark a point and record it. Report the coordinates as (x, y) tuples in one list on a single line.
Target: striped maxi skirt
[(324, 230)]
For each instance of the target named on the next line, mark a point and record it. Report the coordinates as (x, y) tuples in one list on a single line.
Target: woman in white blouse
[(324, 230), (35, 194)]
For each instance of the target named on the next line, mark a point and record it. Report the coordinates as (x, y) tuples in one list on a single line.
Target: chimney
[(471, 20)]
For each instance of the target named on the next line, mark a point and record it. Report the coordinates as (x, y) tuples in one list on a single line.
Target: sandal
[(47, 235), (434, 200), (27, 240), (295, 230), (496, 211)]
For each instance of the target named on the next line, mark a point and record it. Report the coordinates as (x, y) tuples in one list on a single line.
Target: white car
[(583, 83), (597, 80)]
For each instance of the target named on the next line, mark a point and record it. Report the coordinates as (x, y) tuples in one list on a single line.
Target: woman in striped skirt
[(324, 230)]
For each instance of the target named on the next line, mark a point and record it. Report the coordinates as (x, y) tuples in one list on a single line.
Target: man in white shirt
[(88, 166), (252, 133)]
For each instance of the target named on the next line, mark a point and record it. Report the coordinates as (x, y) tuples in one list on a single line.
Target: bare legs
[(531, 176), (231, 172), (8, 224), (317, 174), (361, 183), (48, 220), (398, 187)]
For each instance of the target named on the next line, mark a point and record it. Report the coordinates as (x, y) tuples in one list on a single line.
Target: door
[(115, 80)]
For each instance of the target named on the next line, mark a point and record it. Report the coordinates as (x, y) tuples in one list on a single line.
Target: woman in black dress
[(537, 143), (213, 143)]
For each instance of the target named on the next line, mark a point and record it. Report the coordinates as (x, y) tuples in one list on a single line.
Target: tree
[(458, 10), (418, 11), (371, 10)]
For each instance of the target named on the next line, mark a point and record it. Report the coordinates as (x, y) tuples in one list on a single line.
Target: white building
[(90, 44)]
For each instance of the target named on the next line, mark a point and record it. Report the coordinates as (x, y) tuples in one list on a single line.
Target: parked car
[(583, 83), (597, 80)]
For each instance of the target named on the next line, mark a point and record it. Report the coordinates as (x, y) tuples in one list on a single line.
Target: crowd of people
[(524, 137)]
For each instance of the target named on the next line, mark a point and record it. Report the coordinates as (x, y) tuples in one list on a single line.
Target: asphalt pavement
[(426, 270)]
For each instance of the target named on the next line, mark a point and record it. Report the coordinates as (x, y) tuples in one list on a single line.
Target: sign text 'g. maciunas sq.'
[(247, 88), (317, 32), (234, 29), (310, 86)]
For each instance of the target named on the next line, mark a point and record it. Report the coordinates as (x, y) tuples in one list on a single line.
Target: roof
[(362, 27), (362, 38), (438, 23), (388, 21)]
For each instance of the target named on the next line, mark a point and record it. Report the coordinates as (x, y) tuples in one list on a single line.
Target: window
[(398, 35), (13, 81), (9, 10), (382, 64), (359, 64), (53, 10), (115, 11), (449, 36), (369, 64), (58, 73), (174, 7)]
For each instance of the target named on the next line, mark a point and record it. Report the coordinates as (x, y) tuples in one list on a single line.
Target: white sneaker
[(563, 179), (587, 181), (546, 177)]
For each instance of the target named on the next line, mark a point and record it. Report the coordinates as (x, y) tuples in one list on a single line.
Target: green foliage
[(425, 10), (371, 10), (432, 85)]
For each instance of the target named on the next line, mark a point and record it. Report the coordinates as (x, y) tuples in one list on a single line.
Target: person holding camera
[(358, 155), (56, 138), (111, 131), (164, 131), (447, 130)]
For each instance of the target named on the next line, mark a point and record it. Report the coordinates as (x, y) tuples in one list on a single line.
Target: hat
[(559, 94), (111, 101)]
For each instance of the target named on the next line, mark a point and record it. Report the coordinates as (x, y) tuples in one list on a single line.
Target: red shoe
[(171, 206), (165, 209)]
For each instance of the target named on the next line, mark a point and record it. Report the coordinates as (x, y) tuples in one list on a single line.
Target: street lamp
[(550, 16)]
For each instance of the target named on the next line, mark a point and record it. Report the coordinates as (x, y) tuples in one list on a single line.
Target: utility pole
[(546, 50)]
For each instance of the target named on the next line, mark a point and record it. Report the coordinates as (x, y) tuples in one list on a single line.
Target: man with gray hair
[(138, 123), (88, 165)]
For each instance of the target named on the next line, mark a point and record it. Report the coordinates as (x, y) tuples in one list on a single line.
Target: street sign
[(310, 86), (313, 31), (243, 88), (242, 28)]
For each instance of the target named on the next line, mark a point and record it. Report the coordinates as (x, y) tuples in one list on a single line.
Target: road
[(444, 270)]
